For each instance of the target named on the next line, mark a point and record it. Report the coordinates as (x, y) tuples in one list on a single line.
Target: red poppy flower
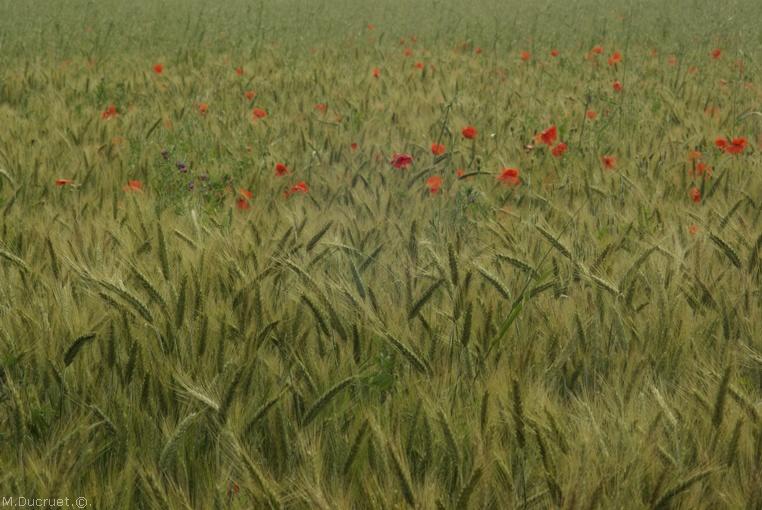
[(672, 60), (133, 186), (737, 146), (203, 108), (420, 65), (559, 150), (591, 114), (469, 132), (376, 72), (597, 50), (525, 56), (615, 58), (401, 161), (695, 195), (437, 149), (716, 53), (434, 183), (241, 203), (158, 68), (353, 146), (478, 50), (733, 148), (63, 182), (460, 172), (259, 113), (617, 85), (249, 94), (509, 176), (693, 229), (694, 154), (371, 26), (239, 71), (109, 113), (408, 52), (549, 135), (280, 169), (554, 53), (609, 162), (299, 187), (246, 194)]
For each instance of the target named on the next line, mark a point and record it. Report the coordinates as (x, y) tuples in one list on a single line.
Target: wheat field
[(350, 255)]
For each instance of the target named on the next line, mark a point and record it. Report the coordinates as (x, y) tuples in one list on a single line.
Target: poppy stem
[(588, 100)]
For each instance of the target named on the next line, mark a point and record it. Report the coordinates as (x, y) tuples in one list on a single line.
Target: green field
[(394, 254)]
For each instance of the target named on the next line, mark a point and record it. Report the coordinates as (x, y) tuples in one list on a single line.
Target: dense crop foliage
[(342, 254)]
